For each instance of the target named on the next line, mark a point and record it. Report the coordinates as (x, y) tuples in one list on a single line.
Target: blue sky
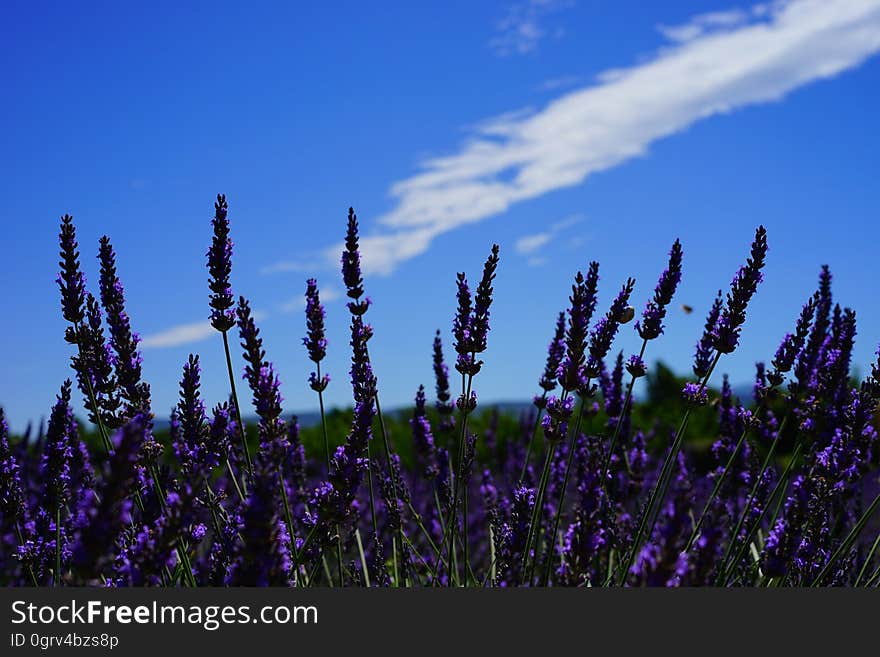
[(564, 130)]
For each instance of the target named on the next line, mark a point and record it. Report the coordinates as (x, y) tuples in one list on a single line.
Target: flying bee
[(687, 309), (627, 314)]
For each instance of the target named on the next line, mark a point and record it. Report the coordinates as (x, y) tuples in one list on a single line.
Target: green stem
[(525, 467), (558, 515), (868, 559), (327, 457), (848, 542), (536, 512), (617, 427), (725, 573), (754, 492), (452, 523), (658, 494), (241, 430), (357, 536)]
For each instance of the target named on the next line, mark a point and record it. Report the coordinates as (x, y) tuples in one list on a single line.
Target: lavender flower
[(471, 324), (441, 375), (58, 451), (606, 328), (636, 367), (124, 342), (705, 346), (743, 287), (94, 367), (11, 493), (315, 340), (651, 324), (583, 304), (555, 354), (792, 344), (259, 373), (220, 267), (199, 453), (423, 438), (695, 394), (351, 268), (108, 513), (555, 423), (513, 536), (70, 281)]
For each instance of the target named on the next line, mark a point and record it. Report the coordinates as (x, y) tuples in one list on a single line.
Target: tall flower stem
[(323, 420), (754, 492), (452, 521), (535, 520), (847, 542), (658, 494), (392, 471), (616, 435), (241, 431), (868, 559), (571, 450), (105, 438), (725, 573), (525, 467)]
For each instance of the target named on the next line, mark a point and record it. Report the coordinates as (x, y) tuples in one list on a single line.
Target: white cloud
[(730, 64), (531, 243), (179, 335), (289, 266), (701, 24), (182, 334), (522, 28)]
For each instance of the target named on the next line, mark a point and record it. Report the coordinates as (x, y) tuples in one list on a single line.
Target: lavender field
[(579, 492)]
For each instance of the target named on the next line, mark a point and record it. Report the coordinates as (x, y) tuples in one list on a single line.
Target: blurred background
[(564, 130)]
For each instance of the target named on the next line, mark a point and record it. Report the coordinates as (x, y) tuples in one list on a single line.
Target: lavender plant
[(777, 490)]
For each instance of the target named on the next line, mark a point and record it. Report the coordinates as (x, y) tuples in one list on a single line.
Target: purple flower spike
[(651, 324), (124, 342), (441, 376), (555, 423), (606, 328), (259, 374), (423, 438), (220, 267), (470, 325), (315, 340), (793, 344), (11, 495), (705, 348), (71, 281), (743, 287), (351, 268), (94, 366), (583, 304), (555, 354)]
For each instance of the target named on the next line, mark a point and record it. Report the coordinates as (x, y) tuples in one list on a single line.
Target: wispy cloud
[(523, 26), (529, 244), (769, 52), (715, 21), (181, 334), (290, 266)]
